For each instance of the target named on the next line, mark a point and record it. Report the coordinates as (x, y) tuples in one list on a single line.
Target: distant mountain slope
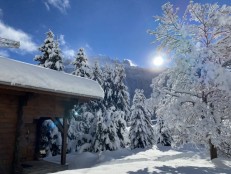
[(140, 78)]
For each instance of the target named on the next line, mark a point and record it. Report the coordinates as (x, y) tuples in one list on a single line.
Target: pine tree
[(81, 127), (52, 56), (97, 73), (120, 123), (141, 132), (81, 67), (121, 94), (83, 121), (106, 136), (50, 138), (108, 87)]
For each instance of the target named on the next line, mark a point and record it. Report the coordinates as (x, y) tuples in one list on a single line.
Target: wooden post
[(64, 141), (68, 106), (16, 166)]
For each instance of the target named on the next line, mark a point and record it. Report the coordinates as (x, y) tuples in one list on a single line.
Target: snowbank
[(146, 161)]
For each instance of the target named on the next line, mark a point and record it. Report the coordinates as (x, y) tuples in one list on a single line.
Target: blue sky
[(114, 28)]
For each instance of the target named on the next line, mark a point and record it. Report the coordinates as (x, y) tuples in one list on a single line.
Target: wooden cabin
[(28, 95)]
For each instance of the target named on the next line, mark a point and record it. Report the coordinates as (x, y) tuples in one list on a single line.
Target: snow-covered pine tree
[(120, 99), (83, 120), (106, 134), (97, 73), (52, 56), (98, 143), (141, 132), (81, 127), (157, 101), (50, 139), (120, 123), (81, 67), (111, 119), (121, 95), (108, 86)]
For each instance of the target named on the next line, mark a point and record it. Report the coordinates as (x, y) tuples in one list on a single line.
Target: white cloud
[(4, 53), (47, 6), (26, 43), (88, 46), (61, 5), (68, 53), (62, 40)]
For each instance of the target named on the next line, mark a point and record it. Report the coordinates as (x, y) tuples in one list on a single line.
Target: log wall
[(38, 106), (8, 120)]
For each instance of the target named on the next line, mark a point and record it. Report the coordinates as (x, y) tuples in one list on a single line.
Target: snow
[(143, 161), (20, 74)]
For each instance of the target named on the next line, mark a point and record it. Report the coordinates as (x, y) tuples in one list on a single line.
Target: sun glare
[(158, 61)]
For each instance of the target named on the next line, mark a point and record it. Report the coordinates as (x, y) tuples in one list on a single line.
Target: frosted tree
[(97, 73), (120, 124), (81, 127), (81, 67), (84, 119), (51, 54), (113, 118), (106, 134), (195, 92), (121, 94), (50, 138), (120, 97), (141, 132), (108, 86)]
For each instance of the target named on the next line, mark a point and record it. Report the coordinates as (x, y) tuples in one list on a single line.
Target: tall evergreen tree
[(141, 132), (106, 137), (120, 123), (108, 87), (81, 67), (121, 94), (83, 121), (97, 73), (52, 56)]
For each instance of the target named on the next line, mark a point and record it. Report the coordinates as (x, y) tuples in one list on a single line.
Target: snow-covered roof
[(24, 75)]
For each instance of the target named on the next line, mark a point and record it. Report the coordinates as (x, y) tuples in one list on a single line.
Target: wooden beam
[(16, 166), (59, 125), (62, 96)]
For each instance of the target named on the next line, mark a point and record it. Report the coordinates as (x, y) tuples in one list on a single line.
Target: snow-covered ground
[(146, 161)]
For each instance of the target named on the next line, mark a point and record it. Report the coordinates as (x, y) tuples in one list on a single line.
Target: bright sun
[(158, 61)]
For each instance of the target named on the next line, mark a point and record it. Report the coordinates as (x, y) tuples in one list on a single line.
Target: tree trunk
[(213, 150)]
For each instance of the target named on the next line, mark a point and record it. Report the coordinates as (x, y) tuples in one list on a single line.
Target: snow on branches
[(52, 56), (195, 93), (81, 65), (141, 131)]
